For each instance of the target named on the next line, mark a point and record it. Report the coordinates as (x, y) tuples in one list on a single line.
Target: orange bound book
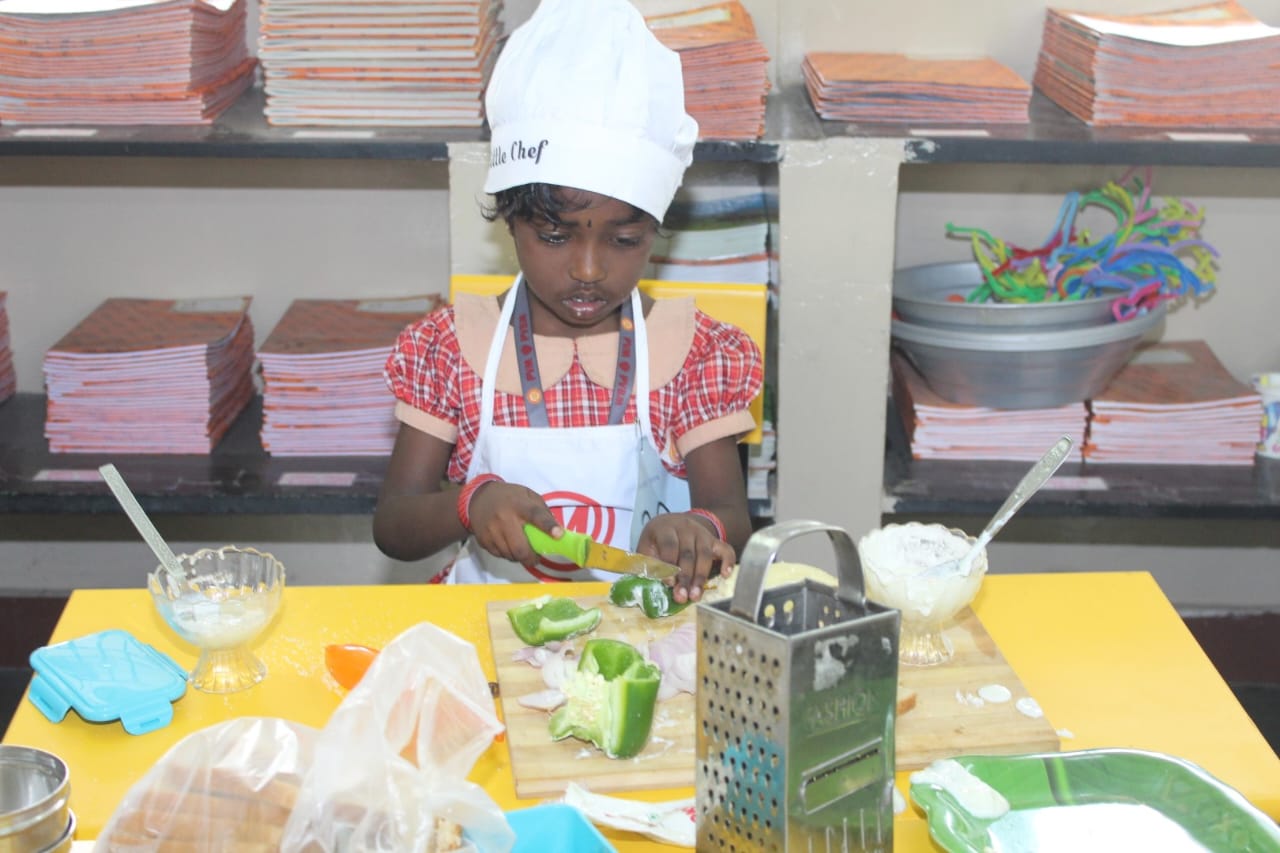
[(137, 325), (706, 25), (837, 68)]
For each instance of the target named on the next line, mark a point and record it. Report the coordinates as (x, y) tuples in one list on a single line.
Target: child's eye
[(555, 238), (628, 241)]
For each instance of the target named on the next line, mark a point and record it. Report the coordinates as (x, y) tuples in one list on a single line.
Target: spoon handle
[(1027, 486), (139, 518)]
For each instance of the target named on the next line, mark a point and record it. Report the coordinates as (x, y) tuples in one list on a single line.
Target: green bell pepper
[(649, 594), (549, 618), (609, 699)]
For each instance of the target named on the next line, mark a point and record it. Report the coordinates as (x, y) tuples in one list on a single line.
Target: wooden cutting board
[(543, 767), (944, 723), (939, 726)]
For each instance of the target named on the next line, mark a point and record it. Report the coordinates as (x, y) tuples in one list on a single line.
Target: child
[(528, 399)]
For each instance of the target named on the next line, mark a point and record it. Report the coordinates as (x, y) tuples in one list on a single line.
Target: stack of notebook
[(1175, 403), (1214, 65), (413, 63), (8, 378), (938, 429), (724, 63), (121, 61), (323, 389), (717, 228), (892, 87), (150, 376)]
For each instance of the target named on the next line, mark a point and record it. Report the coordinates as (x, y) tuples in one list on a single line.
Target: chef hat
[(584, 96)]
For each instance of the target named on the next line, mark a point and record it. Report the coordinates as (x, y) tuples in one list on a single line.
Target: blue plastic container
[(555, 826)]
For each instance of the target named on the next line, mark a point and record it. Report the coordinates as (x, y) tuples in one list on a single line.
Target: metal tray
[(1098, 800)]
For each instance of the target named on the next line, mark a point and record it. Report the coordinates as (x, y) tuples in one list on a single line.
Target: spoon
[(1027, 486), (139, 518)]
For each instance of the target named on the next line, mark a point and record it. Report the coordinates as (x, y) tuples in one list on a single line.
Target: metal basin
[(1022, 369), (34, 795), (920, 296)]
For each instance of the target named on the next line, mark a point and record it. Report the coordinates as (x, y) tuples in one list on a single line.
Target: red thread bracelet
[(711, 517), (467, 492)]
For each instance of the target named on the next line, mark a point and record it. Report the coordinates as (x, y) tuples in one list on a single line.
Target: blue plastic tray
[(107, 676)]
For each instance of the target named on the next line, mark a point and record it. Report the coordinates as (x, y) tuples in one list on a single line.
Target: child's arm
[(689, 540), (417, 515)]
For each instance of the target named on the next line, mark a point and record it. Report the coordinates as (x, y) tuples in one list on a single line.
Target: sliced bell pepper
[(549, 618), (609, 699), (649, 594)]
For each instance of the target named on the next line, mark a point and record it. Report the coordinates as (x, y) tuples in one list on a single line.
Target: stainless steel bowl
[(920, 296), (1022, 369), (35, 791), (67, 839)]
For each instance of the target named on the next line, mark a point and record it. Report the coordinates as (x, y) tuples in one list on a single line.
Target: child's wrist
[(467, 492), (714, 519)]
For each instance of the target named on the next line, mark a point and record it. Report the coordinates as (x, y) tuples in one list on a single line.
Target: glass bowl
[(221, 605), (894, 558)]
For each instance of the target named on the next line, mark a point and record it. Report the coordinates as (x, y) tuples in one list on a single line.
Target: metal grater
[(796, 696)]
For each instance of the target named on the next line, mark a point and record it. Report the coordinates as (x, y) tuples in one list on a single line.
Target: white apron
[(605, 481)]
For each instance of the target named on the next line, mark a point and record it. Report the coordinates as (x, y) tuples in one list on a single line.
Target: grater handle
[(762, 549)]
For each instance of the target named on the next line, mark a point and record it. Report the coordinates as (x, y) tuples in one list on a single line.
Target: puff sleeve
[(722, 374), (424, 373)]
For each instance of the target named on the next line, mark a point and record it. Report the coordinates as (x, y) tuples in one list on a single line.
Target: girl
[(573, 401)]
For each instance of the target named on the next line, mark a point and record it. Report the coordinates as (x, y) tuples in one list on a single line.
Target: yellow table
[(1105, 654)]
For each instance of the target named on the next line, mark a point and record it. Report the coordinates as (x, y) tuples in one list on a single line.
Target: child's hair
[(540, 201)]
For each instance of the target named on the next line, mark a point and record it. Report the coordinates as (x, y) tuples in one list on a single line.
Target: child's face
[(581, 269)]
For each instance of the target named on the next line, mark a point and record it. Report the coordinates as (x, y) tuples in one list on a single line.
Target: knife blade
[(584, 551)]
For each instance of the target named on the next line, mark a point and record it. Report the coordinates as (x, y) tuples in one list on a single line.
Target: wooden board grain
[(944, 723), (940, 725), (543, 767)]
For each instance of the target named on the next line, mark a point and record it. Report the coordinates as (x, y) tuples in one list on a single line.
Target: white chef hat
[(584, 96)]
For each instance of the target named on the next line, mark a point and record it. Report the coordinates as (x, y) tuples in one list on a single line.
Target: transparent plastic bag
[(387, 772)]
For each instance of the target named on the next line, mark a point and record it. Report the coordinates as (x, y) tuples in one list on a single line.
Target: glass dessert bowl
[(222, 603), (895, 561)]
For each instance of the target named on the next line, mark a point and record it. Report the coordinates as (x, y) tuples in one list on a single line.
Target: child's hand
[(499, 512), (684, 539)]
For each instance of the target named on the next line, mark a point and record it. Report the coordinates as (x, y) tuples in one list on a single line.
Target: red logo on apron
[(579, 513)]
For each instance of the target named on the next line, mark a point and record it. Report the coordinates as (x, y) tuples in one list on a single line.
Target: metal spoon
[(139, 518), (1027, 486)]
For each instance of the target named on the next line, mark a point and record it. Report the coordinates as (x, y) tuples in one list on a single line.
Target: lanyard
[(535, 404)]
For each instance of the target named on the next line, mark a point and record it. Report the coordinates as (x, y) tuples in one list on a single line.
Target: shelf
[(238, 477), (242, 132), (930, 486), (1055, 136)]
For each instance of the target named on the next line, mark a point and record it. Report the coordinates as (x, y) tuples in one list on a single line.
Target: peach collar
[(670, 324)]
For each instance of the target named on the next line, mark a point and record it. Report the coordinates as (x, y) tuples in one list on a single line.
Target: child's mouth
[(583, 306)]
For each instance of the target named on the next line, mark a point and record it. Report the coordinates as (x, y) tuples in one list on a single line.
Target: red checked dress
[(703, 377)]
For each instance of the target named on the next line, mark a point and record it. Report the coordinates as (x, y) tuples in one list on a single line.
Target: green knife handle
[(571, 545)]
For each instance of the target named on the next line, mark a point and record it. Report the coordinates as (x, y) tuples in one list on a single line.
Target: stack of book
[(892, 87), (938, 429), (716, 229), (8, 377), (1174, 403), (1213, 65), (323, 388), (409, 63), (724, 63), (150, 376), (121, 61)]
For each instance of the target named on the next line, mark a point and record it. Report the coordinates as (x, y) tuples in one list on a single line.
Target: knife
[(584, 551)]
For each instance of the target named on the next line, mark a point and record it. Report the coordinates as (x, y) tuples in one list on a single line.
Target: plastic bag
[(387, 773)]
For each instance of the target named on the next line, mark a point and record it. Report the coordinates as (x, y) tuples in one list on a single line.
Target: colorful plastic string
[(1154, 254)]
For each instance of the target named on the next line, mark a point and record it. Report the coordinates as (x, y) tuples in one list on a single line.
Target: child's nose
[(586, 265)]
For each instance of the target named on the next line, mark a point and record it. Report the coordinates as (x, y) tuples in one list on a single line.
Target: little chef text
[(518, 151)]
